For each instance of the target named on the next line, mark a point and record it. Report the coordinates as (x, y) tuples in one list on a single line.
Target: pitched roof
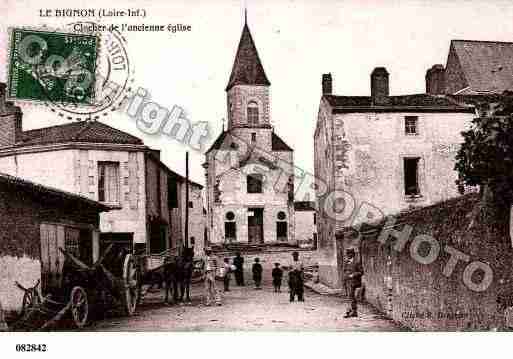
[(278, 144), (247, 68), (35, 188), (225, 138), (487, 65), (417, 103), (86, 131), (155, 156), (218, 142), (477, 100)]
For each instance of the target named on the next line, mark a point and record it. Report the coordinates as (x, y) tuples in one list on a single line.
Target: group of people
[(353, 273), (211, 270)]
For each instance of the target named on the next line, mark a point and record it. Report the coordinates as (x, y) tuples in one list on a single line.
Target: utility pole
[(187, 200)]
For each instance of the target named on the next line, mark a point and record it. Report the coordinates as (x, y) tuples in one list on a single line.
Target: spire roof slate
[(247, 68)]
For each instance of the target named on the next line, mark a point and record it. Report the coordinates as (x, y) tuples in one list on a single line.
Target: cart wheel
[(131, 285), (79, 306)]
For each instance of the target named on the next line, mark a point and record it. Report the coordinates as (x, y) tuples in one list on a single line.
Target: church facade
[(250, 191)]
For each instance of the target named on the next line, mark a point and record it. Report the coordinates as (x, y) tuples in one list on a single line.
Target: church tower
[(244, 204), (248, 87), (248, 98)]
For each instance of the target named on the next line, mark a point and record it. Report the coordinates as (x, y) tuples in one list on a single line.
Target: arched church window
[(252, 113)]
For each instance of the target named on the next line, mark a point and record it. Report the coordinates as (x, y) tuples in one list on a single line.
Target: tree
[(485, 158)]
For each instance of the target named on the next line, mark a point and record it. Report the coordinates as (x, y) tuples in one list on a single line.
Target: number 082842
[(31, 348)]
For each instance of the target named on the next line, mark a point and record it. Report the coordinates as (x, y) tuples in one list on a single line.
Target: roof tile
[(86, 131), (487, 65), (398, 103)]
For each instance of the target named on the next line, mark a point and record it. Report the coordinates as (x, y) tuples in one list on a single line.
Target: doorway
[(255, 225)]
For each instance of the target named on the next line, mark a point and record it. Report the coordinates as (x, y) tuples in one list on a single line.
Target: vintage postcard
[(255, 166)]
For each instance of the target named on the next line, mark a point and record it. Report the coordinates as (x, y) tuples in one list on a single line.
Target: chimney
[(327, 84), (10, 121), (379, 86), (435, 80)]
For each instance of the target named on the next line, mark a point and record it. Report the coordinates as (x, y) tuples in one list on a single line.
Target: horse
[(178, 274)]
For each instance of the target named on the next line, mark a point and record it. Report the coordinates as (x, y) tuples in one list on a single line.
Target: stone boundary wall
[(421, 296)]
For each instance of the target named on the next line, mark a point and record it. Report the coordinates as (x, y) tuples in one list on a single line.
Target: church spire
[(247, 68)]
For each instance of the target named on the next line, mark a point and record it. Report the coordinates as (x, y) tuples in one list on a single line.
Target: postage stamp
[(48, 66)]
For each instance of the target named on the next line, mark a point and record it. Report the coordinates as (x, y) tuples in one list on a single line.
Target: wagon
[(85, 291), (151, 269), (155, 267)]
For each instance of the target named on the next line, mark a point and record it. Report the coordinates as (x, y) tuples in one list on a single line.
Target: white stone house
[(379, 155), (104, 164)]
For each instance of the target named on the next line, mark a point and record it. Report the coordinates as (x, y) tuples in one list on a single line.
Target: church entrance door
[(255, 225)]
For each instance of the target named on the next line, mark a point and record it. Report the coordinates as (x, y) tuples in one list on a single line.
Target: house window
[(254, 183), (230, 231), (252, 113), (411, 176), (253, 137), (315, 218), (158, 237), (71, 241), (281, 231), (172, 193), (108, 182), (411, 125), (191, 205)]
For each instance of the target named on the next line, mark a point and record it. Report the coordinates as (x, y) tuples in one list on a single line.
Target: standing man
[(209, 268), (353, 273), (238, 262), (296, 280), (257, 273)]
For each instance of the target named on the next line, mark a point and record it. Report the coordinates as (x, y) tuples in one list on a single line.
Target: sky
[(297, 42)]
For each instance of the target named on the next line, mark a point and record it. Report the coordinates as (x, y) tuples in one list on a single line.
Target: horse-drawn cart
[(153, 270), (84, 291), (171, 271)]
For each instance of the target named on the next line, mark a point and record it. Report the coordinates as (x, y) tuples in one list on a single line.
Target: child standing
[(257, 273), (227, 269), (277, 277)]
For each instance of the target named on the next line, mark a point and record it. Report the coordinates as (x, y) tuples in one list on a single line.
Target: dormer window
[(252, 113)]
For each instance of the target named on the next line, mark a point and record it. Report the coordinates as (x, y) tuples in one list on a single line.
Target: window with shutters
[(108, 182)]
